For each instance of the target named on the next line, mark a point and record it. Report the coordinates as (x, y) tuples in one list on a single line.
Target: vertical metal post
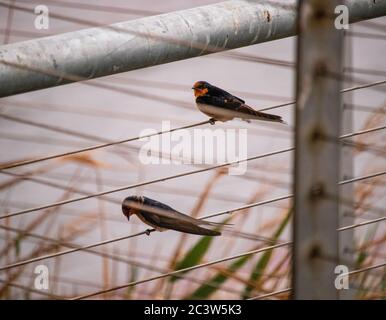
[(346, 238), (316, 176)]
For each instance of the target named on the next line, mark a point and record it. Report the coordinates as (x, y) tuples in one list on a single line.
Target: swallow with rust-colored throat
[(162, 217), (222, 106)]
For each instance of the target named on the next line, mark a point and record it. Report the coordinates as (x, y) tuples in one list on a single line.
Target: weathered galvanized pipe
[(101, 51), (316, 174)]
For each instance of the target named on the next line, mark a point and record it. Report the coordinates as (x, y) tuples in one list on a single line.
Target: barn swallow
[(223, 106), (162, 217)]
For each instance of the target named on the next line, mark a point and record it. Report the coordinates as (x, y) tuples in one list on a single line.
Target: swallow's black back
[(154, 203), (220, 93)]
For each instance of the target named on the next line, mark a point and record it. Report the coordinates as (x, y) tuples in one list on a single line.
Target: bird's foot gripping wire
[(148, 231), (212, 121)]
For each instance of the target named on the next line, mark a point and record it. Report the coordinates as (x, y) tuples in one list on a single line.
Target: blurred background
[(73, 116)]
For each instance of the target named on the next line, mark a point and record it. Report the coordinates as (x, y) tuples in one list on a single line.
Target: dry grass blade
[(44, 248), (85, 159), (195, 255), (38, 220)]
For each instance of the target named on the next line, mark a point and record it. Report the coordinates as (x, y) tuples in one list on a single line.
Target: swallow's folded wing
[(220, 102), (228, 96), (179, 223), (236, 108)]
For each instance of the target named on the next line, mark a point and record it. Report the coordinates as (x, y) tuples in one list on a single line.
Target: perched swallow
[(162, 217), (223, 106)]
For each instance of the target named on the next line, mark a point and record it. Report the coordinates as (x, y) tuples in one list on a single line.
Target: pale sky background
[(173, 80)]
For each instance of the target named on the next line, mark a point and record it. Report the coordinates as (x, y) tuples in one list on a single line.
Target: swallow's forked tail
[(269, 117), (213, 232), (258, 115), (208, 232), (217, 225)]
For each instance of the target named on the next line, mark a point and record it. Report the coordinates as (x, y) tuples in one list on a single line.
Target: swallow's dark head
[(131, 205), (201, 88)]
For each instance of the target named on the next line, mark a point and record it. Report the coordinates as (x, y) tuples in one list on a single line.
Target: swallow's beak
[(192, 88), (128, 217)]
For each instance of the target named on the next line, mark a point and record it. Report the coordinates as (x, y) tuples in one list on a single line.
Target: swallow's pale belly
[(217, 113)]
